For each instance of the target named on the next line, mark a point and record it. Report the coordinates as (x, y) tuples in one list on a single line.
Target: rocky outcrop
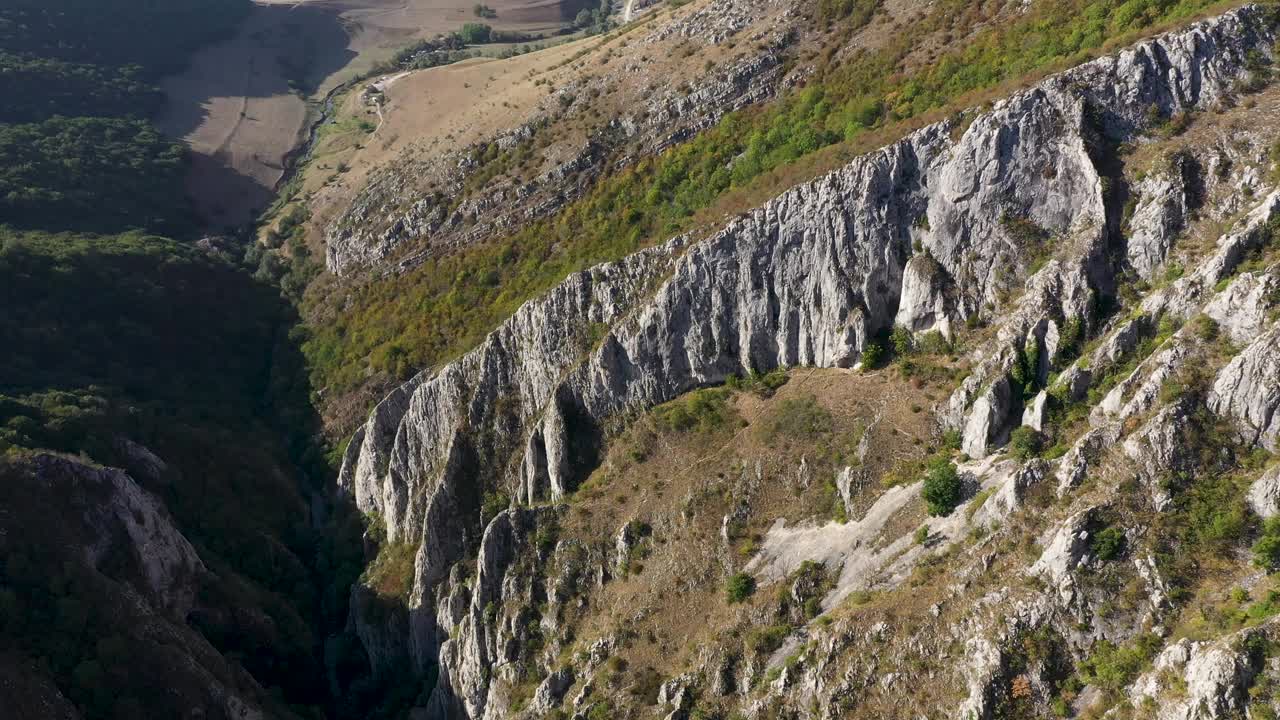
[(1085, 455), (1066, 551), (117, 513), (810, 278), (1166, 198), (1216, 676), (1247, 390), (1244, 309), (1159, 451), (112, 550), (1264, 493)]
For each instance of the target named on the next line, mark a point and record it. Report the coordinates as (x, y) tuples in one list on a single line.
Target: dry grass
[(672, 603)]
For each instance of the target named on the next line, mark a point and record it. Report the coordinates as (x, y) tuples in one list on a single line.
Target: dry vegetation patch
[(704, 477)]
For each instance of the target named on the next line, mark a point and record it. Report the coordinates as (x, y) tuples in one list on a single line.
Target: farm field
[(243, 104)]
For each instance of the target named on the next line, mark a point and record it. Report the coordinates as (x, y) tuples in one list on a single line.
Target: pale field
[(242, 105)]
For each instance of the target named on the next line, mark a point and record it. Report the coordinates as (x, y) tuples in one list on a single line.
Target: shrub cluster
[(942, 486)]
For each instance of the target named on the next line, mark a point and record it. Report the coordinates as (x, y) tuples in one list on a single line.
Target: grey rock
[(1036, 413), (1159, 449), (1159, 217), (923, 303), (1217, 675), (125, 520), (1264, 493), (551, 691), (808, 279), (1243, 310), (986, 425), (1247, 391), (1063, 554), (677, 694), (1140, 391), (1184, 297)]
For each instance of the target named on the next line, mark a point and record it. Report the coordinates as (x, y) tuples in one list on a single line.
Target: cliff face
[(1025, 220), (115, 565)]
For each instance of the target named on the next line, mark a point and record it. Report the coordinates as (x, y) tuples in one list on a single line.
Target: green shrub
[(1025, 372), (739, 587), (978, 501), (1266, 551), (767, 639), (495, 501), (1070, 339), (952, 439), (1108, 543), (1264, 609), (703, 411), (942, 487), (799, 418), (391, 572), (1112, 667), (860, 11), (934, 343), (762, 384), (1216, 517), (1025, 443), (475, 33), (1206, 328), (902, 341), (872, 356)]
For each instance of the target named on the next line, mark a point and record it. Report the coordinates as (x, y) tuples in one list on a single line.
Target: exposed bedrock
[(1012, 218)]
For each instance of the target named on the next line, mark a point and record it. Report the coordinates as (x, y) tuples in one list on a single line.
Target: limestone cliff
[(1019, 219)]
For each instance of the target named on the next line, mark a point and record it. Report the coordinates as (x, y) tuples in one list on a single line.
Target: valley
[(707, 360), (244, 104)]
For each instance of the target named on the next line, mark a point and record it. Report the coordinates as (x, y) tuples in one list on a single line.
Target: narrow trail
[(242, 113), (382, 86)]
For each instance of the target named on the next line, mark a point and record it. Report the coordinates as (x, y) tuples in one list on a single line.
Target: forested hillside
[(162, 357), (120, 343), (78, 78)]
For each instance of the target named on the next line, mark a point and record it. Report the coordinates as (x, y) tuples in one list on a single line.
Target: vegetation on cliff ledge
[(445, 306)]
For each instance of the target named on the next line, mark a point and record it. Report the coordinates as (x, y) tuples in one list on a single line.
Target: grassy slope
[(393, 327)]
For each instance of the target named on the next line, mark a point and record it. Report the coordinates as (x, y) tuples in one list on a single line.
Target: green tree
[(1025, 443), (475, 33), (1108, 543), (942, 487), (99, 174), (740, 587)]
